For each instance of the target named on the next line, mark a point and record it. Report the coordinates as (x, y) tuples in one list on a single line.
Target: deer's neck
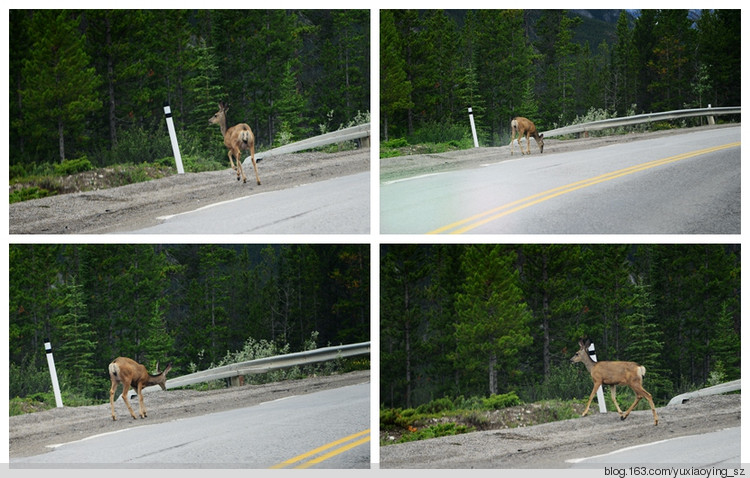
[(223, 125)]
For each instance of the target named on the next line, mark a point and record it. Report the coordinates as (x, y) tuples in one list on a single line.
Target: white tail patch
[(641, 371)]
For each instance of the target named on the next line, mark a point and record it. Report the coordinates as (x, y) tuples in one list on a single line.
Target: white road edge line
[(634, 447)]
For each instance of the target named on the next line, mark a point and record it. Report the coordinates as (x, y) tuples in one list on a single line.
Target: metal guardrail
[(642, 118), (732, 386), (346, 134), (268, 364)]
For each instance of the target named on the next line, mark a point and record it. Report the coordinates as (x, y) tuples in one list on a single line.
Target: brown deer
[(132, 374), (237, 138), (613, 374), (524, 127)]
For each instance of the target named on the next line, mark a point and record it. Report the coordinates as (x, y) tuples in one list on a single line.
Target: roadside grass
[(445, 416), (38, 181)]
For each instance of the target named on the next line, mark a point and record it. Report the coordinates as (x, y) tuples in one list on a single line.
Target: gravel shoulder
[(137, 206), (550, 444), (400, 167), (31, 434)]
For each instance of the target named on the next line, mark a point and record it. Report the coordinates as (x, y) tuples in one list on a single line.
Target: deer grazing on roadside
[(613, 374), (132, 374), (523, 127), (237, 138)]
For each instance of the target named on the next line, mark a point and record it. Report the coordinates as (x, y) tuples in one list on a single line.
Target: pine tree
[(60, 85), (77, 339), (491, 318), (395, 88), (645, 343), (203, 91)]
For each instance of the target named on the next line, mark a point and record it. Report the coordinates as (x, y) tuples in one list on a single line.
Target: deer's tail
[(114, 370), (245, 136), (641, 371)]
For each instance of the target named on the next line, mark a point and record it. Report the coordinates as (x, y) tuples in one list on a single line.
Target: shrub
[(503, 400), (436, 406), (28, 193), (395, 143), (73, 166)]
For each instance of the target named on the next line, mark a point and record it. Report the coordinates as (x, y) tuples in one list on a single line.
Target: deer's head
[(161, 377), (220, 115), (583, 351)]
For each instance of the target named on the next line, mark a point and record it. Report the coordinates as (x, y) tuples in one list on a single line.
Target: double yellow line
[(347, 443), (480, 219)]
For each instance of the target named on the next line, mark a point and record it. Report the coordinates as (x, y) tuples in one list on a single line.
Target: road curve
[(682, 184), (326, 429)]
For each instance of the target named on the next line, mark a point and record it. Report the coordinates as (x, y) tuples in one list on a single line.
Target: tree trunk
[(493, 373), (61, 137)]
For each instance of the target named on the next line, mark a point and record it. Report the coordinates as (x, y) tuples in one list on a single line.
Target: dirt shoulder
[(31, 434), (400, 167), (550, 444), (136, 206)]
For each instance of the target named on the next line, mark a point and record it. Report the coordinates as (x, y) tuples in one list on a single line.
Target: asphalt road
[(715, 449), (558, 444), (327, 429), (335, 206), (682, 184)]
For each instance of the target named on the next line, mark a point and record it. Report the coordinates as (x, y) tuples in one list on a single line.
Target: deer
[(237, 138), (614, 373), (132, 374), (524, 127)]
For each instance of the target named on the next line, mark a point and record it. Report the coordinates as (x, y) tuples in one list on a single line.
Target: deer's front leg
[(141, 405), (591, 397)]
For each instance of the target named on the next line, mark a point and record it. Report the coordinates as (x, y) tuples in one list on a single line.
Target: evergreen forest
[(92, 84), (491, 319), (193, 305), (551, 66)]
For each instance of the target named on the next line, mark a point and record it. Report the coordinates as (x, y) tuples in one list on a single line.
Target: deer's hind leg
[(255, 166), (240, 171), (112, 391)]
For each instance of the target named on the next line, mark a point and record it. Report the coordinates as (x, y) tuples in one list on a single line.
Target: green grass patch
[(451, 416)]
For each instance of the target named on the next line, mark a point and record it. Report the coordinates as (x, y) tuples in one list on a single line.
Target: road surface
[(138, 206), (327, 429), (559, 444), (715, 449), (687, 183), (335, 206)]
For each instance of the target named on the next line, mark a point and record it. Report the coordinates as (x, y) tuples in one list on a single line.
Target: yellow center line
[(323, 448), (514, 206)]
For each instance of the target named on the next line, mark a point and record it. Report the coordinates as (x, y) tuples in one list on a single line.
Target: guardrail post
[(53, 373), (473, 128), (711, 118), (600, 392), (173, 138)]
